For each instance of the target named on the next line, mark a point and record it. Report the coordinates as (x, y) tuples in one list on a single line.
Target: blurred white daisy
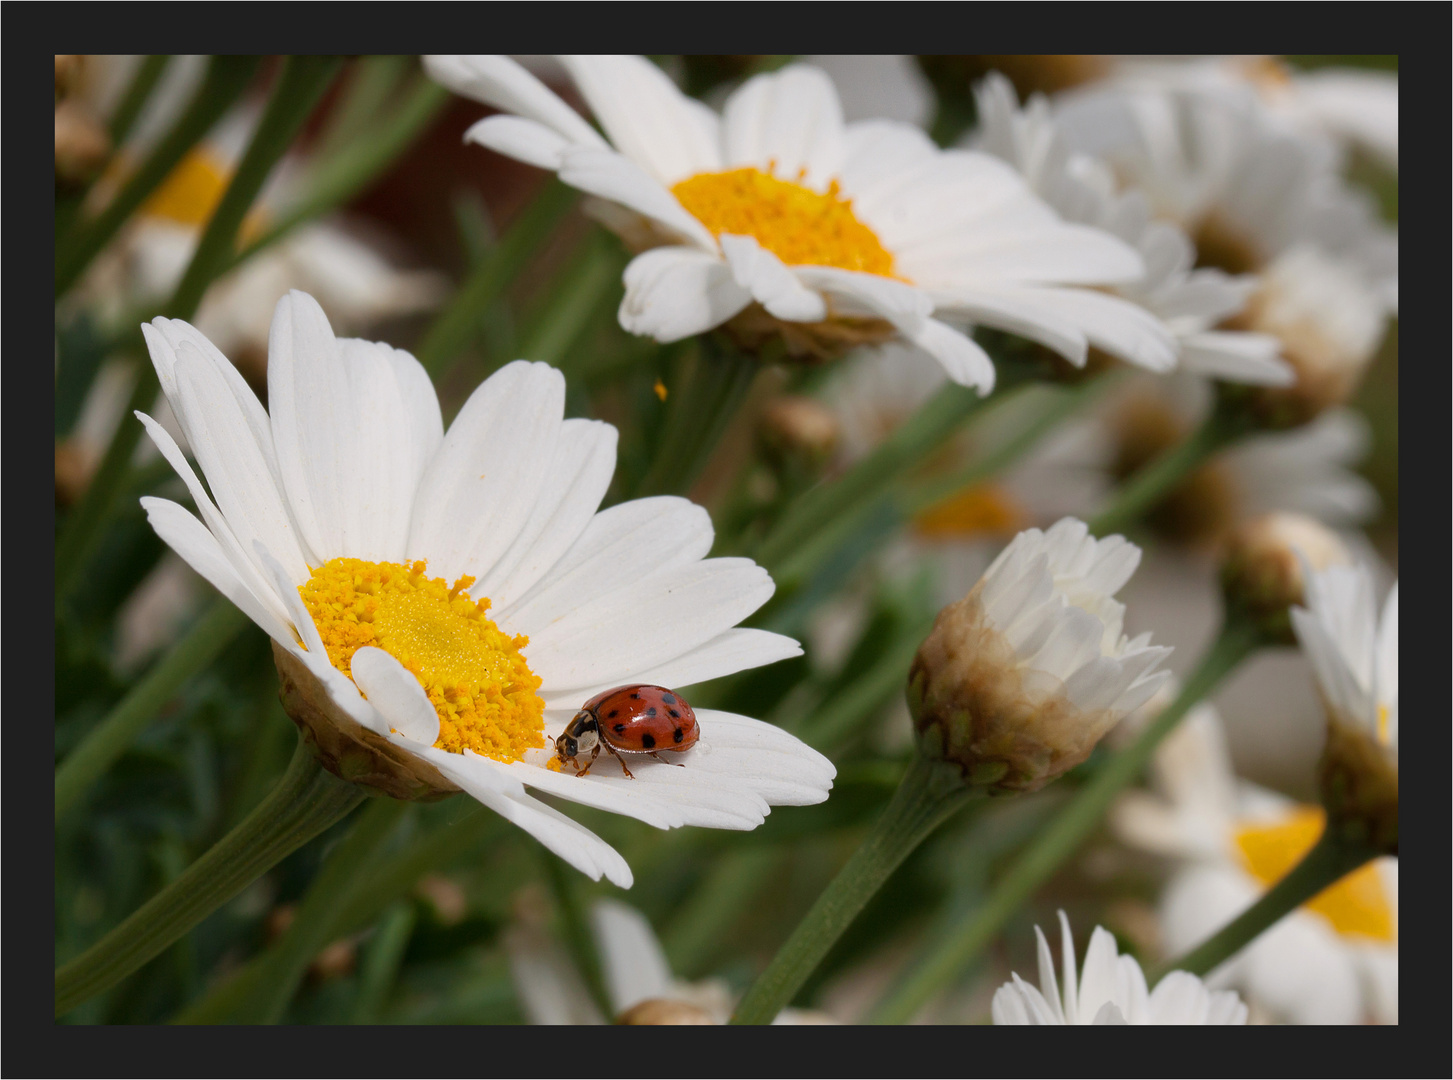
[(1332, 961), (329, 258), (638, 981), (1352, 106), (1253, 198), (344, 512), (777, 218), (1353, 653), (1021, 678), (1190, 302), (1109, 989)]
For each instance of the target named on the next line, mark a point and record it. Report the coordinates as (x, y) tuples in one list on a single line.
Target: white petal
[(241, 480), (868, 294), (735, 650), (676, 292), (645, 622), (307, 402), (575, 482), (394, 691), (477, 493), (298, 613), (1097, 974), (789, 123), (190, 539), (1387, 649), (497, 788), (962, 358), (770, 282), (1048, 984), (632, 961), (881, 151), (647, 118), (1236, 357), (612, 176), (248, 571), (1118, 327), (502, 83), (1062, 254), (524, 140), (1025, 313), (621, 545)]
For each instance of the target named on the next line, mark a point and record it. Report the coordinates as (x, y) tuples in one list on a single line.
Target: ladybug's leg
[(593, 755), (617, 756), (663, 761)]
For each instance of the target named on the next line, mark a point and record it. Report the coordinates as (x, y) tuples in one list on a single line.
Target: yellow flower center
[(979, 511), (190, 194), (1357, 906), (474, 674), (800, 226)]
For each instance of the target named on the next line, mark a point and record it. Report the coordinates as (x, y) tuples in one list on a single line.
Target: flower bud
[(1019, 680), (799, 428), (347, 749), (1262, 573), (1358, 776), (1329, 321), (664, 1011)]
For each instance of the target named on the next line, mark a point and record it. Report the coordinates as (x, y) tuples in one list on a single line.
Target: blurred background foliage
[(419, 938)]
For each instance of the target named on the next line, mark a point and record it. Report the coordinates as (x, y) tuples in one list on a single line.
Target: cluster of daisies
[(445, 600)]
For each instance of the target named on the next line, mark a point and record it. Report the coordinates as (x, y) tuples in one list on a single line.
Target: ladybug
[(636, 719)]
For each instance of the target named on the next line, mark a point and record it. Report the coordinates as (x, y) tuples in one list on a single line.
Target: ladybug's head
[(579, 736)]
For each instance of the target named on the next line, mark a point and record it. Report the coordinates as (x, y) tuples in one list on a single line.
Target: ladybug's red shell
[(643, 719)]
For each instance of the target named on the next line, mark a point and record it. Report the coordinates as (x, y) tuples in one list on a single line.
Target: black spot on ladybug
[(651, 711), (620, 729), (668, 699), (635, 697), (648, 741), (678, 734), (674, 714), (612, 714)]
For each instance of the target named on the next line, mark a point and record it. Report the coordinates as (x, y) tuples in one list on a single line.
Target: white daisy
[(1190, 302), (1021, 678), (1110, 989), (1354, 656), (638, 980), (1332, 961), (777, 218), (344, 511), (1246, 192)]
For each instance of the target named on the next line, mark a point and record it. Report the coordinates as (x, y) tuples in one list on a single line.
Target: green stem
[(381, 960), (114, 735), (712, 384), (815, 524), (305, 801), (1140, 493), (259, 994), (1051, 848), (1329, 860), (343, 175), (928, 795), (142, 84), (456, 326), (227, 77), (1066, 401), (298, 89)]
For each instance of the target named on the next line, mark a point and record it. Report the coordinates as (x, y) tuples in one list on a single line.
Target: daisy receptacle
[(1264, 569)]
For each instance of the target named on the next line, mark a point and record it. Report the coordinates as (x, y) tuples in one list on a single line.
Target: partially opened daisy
[(777, 219), (1019, 680), (1354, 658), (441, 604), (1109, 989), (1334, 960)]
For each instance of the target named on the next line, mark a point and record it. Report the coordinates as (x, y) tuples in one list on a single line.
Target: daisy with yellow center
[(777, 218), (1332, 961), (441, 604)]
